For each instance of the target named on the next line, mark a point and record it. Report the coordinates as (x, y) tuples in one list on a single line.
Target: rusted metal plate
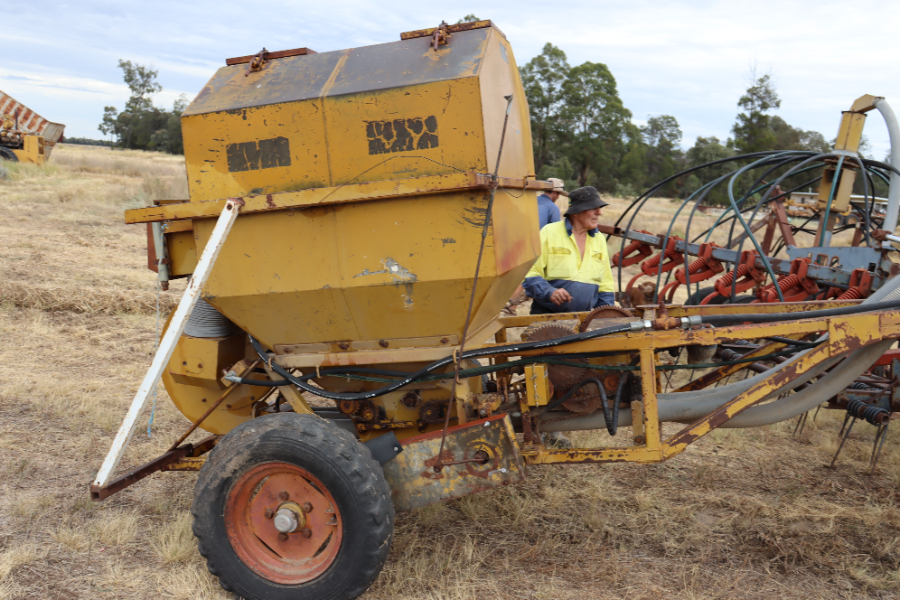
[(270, 56), (451, 29), (412, 478)]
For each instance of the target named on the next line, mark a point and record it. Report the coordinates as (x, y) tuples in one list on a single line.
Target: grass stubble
[(741, 514)]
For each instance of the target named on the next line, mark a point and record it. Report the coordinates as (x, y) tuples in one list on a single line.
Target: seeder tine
[(801, 423), (843, 439), (846, 418), (876, 454)]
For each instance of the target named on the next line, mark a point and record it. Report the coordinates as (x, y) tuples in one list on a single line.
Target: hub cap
[(283, 523)]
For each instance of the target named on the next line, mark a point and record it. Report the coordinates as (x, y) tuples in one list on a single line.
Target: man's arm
[(535, 284)]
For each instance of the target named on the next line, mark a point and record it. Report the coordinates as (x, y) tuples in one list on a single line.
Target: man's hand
[(560, 296)]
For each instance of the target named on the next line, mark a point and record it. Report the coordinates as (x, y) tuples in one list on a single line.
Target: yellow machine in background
[(25, 136)]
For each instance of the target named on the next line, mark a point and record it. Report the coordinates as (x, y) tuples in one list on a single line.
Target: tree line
[(141, 125), (583, 134)]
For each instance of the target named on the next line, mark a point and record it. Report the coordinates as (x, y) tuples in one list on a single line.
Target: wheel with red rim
[(291, 506)]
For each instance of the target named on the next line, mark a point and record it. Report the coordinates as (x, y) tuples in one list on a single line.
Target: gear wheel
[(604, 312), (562, 377)]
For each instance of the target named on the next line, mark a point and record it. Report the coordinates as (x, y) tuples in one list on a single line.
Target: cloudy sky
[(686, 59)]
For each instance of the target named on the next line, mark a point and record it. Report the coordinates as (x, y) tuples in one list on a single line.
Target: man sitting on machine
[(572, 273)]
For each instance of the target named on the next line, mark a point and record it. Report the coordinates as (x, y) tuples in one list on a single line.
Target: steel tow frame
[(845, 334)]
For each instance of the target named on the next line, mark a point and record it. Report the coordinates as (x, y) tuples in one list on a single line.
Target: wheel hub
[(283, 523)]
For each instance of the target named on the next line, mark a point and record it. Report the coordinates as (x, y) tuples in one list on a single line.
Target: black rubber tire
[(7, 154), (341, 463), (696, 298)]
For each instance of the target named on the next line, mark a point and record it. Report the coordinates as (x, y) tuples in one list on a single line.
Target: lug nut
[(306, 532), (282, 537), (307, 507), (283, 496), (269, 513)]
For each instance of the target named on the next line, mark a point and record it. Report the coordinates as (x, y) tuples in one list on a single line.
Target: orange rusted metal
[(286, 558)]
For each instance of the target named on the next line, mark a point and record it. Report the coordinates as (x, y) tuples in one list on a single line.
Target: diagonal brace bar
[(170, 339)]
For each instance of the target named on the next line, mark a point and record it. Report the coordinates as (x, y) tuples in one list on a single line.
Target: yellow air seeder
[(339, 203)]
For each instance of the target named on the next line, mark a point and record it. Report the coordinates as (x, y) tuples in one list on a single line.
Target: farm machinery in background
[(357, 221), (25, 136)]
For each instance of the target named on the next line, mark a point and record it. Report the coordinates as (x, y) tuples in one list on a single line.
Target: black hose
[(611, 417), (789, 342), (715, 320), (721, 320), (301, 382)]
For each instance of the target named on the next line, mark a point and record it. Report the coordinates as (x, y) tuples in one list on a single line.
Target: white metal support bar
[(167, 345)]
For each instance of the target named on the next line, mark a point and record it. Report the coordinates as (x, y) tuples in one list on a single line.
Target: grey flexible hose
[(207, 322), (690, 406)]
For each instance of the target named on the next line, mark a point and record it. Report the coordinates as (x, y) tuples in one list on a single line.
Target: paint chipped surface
[(400, 276)]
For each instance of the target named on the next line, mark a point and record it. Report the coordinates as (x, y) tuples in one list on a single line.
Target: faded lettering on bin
[(402, 135), (260, 154)]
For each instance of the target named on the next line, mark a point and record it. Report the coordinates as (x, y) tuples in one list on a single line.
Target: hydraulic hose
[(890, 119), (302, 382)]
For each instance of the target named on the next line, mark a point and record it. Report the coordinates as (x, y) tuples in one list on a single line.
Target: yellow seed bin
[(366, 174)]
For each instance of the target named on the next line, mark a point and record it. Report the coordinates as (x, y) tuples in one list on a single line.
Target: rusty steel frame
[(845, 334)]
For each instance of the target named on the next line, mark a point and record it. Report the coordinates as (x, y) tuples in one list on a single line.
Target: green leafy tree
[(752, 130), (142, 83), (706, 150), (594, 120), (662, 137), (141, 125), (633, 166), (791, 138), (543, 78), (469, 18)]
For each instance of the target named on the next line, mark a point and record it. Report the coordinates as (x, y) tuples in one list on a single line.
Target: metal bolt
[(305, 532), (396, 448), (269, 513), (483, 413), (283, 496), (285, 521), (487, 424), (282, 537), (638, 439), (343, 345), (307, 507), (383, 343)]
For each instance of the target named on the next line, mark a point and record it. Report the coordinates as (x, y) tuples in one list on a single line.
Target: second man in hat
[(572, 274)]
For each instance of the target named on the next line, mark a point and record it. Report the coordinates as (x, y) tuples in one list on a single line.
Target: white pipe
[(893, 207), (167, 345)]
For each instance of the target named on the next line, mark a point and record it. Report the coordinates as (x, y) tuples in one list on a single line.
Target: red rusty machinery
[(703, 268), (663, 262), (795, 287), (747, 274), (633, 253)]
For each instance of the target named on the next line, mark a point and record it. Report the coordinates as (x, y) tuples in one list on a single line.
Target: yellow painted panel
[(208, 136), (375, 121), (499, 77)]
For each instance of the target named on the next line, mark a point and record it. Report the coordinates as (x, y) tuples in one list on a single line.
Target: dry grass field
[(742, 514)]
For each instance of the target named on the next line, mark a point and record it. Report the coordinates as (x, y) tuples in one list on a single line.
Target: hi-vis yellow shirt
[(561, 266)]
